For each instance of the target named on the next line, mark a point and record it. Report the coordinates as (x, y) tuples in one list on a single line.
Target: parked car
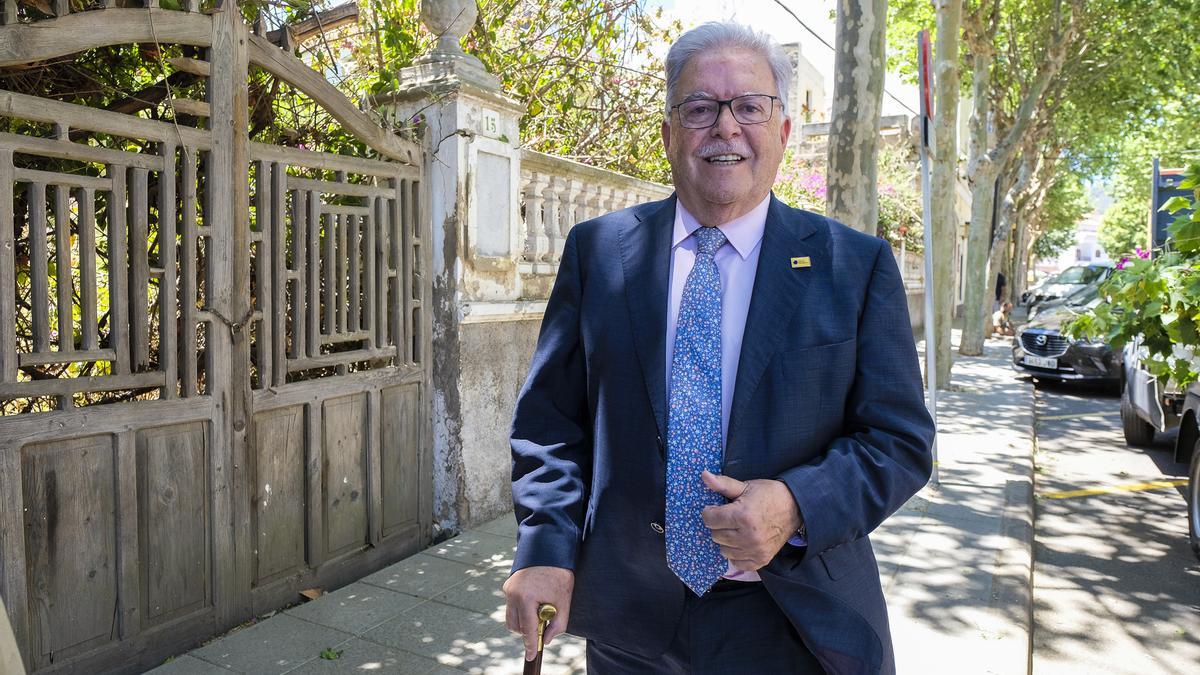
[(1041, 349), (1149, 405), (1069, 281)]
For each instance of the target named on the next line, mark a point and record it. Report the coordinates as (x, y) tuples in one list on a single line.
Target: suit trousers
[(734, 628)]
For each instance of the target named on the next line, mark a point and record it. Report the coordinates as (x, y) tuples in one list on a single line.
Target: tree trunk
[(857, 103), (983, 171), (943, 181)]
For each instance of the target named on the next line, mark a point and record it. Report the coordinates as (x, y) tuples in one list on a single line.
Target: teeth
[(725, 158)]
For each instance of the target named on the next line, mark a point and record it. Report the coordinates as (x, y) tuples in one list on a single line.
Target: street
[(1116, 588)]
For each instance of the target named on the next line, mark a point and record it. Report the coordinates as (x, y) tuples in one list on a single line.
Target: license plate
[(1040, 362)]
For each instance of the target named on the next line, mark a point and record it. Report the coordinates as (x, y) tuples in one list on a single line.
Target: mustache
[(719, 148)]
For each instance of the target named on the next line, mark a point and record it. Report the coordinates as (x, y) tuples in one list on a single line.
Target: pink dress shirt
[(737, 262)]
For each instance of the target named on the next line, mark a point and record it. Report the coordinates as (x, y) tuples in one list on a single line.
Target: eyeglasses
[(702, 113)]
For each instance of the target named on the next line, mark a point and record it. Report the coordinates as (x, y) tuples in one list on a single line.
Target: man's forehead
[(701, 94)]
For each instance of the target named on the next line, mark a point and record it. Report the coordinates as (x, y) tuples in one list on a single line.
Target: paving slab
[(362, 656), (423, 575), (356, 608), (274, 646)]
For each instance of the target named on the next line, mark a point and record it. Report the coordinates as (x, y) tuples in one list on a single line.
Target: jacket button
[(657, 527)]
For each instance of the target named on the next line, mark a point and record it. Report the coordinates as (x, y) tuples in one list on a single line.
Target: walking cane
[(546, 614)]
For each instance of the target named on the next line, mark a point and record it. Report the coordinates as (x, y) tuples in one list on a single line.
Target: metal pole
[(926, 204)]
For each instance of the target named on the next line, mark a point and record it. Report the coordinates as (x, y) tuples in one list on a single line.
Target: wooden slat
[(67, 150), (330, 265), (314, 273), (76, 356), (420, 336), (37, 109), (315, 470), (325, 161), (8, 272), (118, 293), (371, 291), (189, 107), (278, 274), (192, 66), (264, 205), (75, 385), (62, 8), (383, 269), (62, 250), (129, 617), (402, 325), (8, 12), (331, 187), (13, 564), (341, 358), (300, 267), (287, 67), (355, 258), (346, 210), (374, 496), (230, 371), (343, 261), (86, 199), (71, 180), (139, 269), (191, 5), (348, 336), (187, 276), (82, 31), (168, 347), (35, 196)]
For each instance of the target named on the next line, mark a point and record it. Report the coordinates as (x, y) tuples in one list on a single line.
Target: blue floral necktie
[(694, 420)]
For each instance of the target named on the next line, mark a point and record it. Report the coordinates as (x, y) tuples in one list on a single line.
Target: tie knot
[(709, 239)]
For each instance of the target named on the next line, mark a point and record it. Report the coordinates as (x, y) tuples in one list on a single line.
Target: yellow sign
[(801, 262)]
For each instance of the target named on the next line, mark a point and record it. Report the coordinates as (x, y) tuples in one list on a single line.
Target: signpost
[(930, 342)]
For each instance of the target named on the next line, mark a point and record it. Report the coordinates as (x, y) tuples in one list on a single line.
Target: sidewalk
[(955, 562)]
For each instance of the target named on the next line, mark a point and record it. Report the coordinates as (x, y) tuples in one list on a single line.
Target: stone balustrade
[(557, 193)]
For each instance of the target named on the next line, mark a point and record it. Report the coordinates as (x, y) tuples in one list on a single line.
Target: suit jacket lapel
[(778, 291), (646, 265)]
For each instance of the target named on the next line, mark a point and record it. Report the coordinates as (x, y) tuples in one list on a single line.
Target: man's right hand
[(532, 586)]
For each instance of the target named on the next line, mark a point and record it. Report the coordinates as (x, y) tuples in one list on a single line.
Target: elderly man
[(724, 401)]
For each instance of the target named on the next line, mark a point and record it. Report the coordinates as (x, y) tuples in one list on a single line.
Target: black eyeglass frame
[(728, 103)]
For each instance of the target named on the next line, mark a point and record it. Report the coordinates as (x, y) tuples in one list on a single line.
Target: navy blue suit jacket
[(828, 399)]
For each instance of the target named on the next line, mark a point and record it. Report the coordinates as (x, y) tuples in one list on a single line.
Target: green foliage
[(802, 184), (1157, 301), (331, 654), (1066, 204), (585, 69), (1124, 228)]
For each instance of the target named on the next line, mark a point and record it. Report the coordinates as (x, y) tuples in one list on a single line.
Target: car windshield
[(1080, 275), (1083, 296)]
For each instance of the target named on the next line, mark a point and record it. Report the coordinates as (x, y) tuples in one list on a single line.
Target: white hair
[(715, 35)]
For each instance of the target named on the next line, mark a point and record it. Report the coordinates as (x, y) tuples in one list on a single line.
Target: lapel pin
[(801, 262)]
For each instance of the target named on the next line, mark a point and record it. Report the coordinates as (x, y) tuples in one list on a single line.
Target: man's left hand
[(758, 520)]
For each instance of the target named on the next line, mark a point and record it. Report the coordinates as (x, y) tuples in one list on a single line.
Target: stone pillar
[(483, 335)]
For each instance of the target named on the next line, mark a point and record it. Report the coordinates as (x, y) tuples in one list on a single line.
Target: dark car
[(1068, 282), (1041, 349)]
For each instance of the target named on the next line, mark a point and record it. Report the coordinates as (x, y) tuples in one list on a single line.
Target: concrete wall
[(495, 358)]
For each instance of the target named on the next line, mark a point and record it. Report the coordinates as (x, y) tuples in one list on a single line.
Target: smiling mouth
[(726, 159)]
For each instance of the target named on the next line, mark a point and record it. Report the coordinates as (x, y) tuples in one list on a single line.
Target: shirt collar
[(744, 232)]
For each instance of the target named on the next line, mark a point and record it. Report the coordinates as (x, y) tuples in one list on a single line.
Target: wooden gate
[(214, 355)]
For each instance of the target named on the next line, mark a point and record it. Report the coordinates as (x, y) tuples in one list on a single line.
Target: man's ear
[(785, 130), (666, 134)]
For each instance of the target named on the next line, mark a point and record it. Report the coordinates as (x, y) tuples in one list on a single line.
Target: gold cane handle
[(546, 613)]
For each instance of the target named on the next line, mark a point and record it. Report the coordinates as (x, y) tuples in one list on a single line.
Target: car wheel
[(1138, 431), (1193, 497)]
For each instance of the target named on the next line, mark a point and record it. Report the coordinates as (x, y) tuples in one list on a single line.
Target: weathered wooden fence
[(214, 355)]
